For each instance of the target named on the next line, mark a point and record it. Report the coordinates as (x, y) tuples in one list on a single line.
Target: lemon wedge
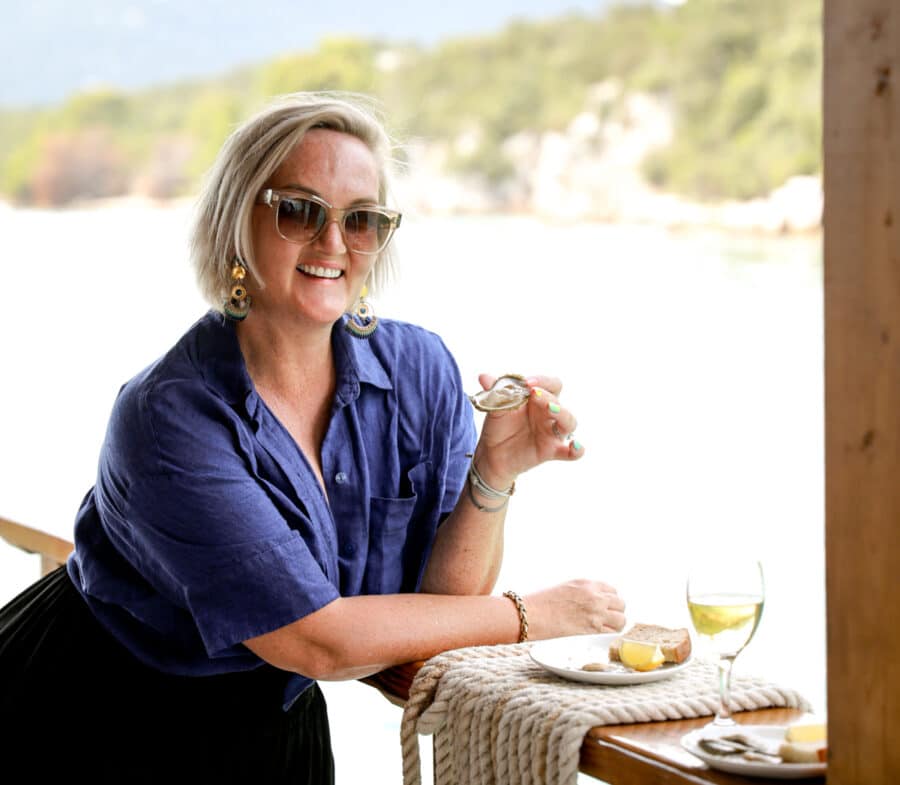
[(640, 655)]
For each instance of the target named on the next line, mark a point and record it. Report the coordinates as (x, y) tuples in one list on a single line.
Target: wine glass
[(725, 598)]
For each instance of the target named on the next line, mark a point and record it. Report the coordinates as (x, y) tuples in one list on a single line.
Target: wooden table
[(646, 753)]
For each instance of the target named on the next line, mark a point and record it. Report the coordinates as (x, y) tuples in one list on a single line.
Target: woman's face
[(317, 282)]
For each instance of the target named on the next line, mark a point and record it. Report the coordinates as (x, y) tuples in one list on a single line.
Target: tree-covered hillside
[(741, 78)]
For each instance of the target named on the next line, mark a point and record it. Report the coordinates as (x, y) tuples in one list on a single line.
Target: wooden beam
[(53, 550), (862, 387)]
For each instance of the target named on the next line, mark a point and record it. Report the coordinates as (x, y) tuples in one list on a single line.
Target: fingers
[(576, 607), (563, 420), (561, 424), (611, 614), (611, 607), (608, 589), (486, 380), (549, 383), (614, 621), (552, 426)]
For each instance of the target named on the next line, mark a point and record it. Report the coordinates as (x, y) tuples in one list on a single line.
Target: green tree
[(340, 63), (742, 79)]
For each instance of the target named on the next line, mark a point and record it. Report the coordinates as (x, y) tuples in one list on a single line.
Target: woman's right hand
[(574, 608)]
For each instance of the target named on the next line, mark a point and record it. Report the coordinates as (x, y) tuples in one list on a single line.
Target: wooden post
[(862, 388)]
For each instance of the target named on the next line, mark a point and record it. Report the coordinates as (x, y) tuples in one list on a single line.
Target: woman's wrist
[(491, 476), (476, 485), (522, 612), (487, 489)]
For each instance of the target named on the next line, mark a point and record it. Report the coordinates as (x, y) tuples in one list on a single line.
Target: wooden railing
[(52, 550)]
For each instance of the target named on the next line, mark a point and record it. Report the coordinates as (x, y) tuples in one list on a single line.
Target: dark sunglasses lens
[(367, 230), (300, 219)]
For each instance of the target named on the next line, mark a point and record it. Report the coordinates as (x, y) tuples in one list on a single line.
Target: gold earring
[(237, 306), (362, 321)]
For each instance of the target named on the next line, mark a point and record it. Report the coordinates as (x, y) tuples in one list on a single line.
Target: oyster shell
[(509, 392)]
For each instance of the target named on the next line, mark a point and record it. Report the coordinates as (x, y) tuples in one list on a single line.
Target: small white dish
[(566, 657), (771, 734)]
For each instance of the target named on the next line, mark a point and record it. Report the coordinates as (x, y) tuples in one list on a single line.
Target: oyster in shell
[(509, 392)]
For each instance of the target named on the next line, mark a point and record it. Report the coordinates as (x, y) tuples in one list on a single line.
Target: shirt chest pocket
[(400, 531)]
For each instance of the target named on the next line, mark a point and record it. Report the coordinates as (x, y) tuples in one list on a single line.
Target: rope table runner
[(499, 718)]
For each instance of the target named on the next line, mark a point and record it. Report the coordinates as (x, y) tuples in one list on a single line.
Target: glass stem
[(723, 716)]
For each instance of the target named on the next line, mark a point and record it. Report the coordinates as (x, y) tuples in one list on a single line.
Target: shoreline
[(741, 218)]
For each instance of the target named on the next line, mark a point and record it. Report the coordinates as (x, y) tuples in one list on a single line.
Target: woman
[(291, 493)]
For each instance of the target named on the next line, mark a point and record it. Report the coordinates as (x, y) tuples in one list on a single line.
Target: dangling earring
[(237, 306), (362, 321)]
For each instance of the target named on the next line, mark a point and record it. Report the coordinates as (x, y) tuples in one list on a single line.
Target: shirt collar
[(222, 363), (355, 362), (219, 357)]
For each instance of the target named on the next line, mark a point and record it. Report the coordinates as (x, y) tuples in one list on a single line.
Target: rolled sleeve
[(196, 510), (285, 581)]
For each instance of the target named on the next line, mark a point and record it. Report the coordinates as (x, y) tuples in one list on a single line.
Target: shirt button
[(340, 478), (349, 549)]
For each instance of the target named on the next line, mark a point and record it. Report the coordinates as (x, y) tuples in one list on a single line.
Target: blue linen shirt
[(207, 526)]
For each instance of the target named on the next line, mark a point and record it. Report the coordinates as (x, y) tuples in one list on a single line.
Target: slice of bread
[(675, 643)]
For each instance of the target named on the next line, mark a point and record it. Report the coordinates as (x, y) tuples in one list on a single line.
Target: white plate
[(567, 656), (770, 733)]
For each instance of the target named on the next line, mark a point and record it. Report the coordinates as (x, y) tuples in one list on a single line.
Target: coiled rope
[(498, 718)]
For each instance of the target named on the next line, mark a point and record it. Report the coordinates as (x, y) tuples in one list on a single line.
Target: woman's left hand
[(516, 440)]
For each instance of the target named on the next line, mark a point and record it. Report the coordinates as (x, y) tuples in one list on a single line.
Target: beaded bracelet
[(523, 615)]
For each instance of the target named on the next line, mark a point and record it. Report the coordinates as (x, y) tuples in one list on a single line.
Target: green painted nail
[(554, 407), (576, 445)]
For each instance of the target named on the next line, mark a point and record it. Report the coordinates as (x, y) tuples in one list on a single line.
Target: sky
[(53, 48)]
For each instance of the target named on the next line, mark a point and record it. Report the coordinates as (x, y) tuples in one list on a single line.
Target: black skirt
[(73, 700)]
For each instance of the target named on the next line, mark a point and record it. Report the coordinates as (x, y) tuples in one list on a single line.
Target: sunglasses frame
[(272, 196)]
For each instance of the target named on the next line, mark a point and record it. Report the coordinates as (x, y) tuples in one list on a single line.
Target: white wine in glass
[(725, 599)]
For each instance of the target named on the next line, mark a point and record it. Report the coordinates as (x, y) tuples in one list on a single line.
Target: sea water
[(692, 360)]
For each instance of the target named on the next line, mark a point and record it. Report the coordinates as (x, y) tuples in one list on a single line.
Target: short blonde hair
[(222, 223)]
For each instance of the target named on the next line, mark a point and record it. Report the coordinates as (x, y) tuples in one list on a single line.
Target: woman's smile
[(319, 272)]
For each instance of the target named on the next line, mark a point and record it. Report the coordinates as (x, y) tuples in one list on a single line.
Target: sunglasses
[(301, 218)]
